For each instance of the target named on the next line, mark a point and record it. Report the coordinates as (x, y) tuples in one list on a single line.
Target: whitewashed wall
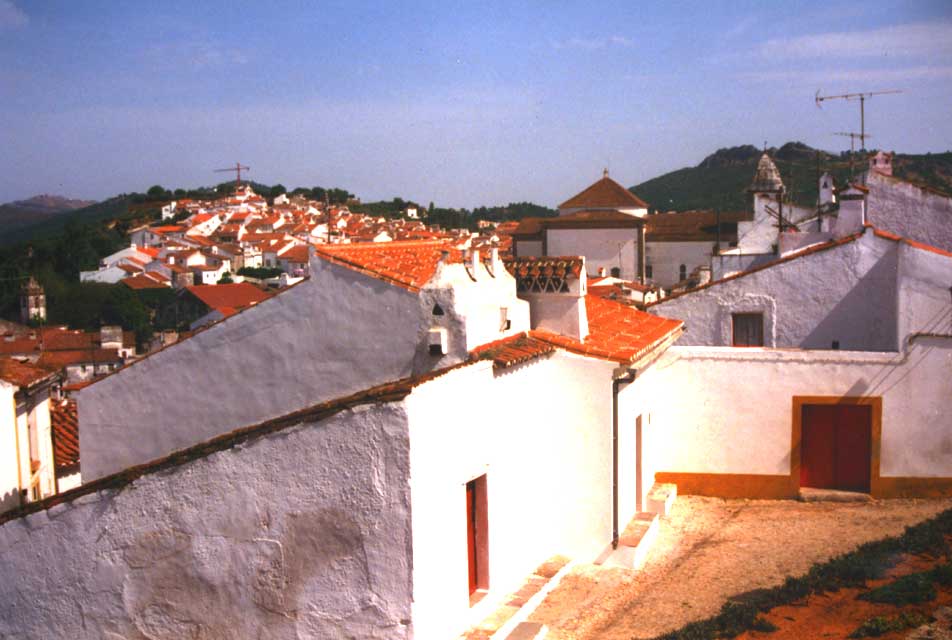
[(666, 258), (845, 293), (304, 533), (909, 211), (541, 433), (9, 480), (729, 410), (608, 248)]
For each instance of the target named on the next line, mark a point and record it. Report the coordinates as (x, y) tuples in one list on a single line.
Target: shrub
[(881, 625)]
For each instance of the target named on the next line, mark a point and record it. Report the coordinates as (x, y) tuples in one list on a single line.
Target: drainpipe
[(617, 383)]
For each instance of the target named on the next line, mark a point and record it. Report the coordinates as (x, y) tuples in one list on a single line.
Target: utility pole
[(853, 137), (238, 168), (862, 107)]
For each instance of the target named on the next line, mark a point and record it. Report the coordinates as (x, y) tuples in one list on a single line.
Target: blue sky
[(464, 104)]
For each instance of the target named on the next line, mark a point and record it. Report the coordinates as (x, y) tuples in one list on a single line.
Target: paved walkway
[(709, 549)]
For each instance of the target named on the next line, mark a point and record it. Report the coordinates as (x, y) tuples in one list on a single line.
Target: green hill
[(721, 179)]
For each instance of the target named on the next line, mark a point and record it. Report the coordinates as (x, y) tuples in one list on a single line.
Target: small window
[(437, 310), (682, 272), (616, 272), (748, 329), (649, 271)]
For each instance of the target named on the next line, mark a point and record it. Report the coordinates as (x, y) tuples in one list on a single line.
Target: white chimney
[(852, 214), (474, 257)]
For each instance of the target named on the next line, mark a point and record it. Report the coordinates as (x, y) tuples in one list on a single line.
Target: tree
[(277, 190), (158, 192), (226, 278)]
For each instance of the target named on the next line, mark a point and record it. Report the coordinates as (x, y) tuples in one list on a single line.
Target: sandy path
[(709, 549)]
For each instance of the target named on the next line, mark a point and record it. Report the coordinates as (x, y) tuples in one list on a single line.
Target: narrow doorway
[(836, 446), (477, 548), (639, 486)]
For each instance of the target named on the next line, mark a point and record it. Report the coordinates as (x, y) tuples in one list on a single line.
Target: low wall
[(302, 533), (731, 416)]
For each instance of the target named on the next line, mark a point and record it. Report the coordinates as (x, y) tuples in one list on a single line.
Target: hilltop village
[(383, 427)]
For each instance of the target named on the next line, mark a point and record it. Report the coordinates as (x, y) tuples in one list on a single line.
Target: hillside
[(25, 213), (720, 180)]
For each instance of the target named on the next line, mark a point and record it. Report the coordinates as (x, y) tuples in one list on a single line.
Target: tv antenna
[(853, 137), (862, 107), (238, 168)]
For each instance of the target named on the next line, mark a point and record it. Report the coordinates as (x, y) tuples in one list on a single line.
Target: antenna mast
[(853, 137), (862, 109), (238, 168)]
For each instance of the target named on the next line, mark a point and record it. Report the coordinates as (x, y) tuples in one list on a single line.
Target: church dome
[(767, 178)]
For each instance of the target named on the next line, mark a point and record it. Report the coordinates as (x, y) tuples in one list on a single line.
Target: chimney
[(602, 272), (474, 258), (852, 214)]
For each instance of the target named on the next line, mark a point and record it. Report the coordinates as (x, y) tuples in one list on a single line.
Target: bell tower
[(32, 302)]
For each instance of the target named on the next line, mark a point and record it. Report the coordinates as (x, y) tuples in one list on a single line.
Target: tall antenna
[(853, 137), (862, 111), (238, 168)]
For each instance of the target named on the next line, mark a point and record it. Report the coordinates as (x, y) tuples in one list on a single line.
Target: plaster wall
[(729, 410), (666, 259), (109, 275), (528, 248), (608, 248), (846, 293), (541, 434), (337, 333), (9, 480), (304, 533), (563, 314), (909, 211), (33, 425), (924, 302)]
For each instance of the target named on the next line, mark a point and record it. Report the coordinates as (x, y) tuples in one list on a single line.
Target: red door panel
[(471, 533), (817, 447), (853, 447)]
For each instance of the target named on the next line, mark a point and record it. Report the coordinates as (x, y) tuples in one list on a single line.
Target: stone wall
[(302, 533)]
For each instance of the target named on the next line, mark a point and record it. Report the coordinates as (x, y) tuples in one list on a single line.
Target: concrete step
[(809, 494), (661, 498), (634, 543)]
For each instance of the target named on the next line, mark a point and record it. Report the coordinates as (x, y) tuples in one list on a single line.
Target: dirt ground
[(709, 549)]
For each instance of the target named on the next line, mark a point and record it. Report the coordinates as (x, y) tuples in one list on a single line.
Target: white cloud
[(11, 16), (920, 39), (593, 44)]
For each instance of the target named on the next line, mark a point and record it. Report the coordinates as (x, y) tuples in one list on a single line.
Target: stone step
[(634, 543), (809, 494), (661, 498)]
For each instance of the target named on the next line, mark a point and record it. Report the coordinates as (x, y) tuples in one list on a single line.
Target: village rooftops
[(65, 424), (605, 194)]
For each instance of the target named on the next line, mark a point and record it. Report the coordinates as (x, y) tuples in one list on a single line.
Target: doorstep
[(809, 494), (508, 620)]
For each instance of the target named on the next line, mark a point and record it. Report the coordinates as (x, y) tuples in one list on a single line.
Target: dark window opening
[(748, 329), (649, 271), (438, 310), (836, 345), (616, 272), (682, 272)]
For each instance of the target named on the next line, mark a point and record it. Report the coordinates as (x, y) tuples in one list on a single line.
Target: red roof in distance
[(228, 298), (605, 194)]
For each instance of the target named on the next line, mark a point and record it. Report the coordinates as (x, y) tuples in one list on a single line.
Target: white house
[(27, 470)]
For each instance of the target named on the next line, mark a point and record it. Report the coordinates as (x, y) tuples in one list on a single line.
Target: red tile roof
[(511, 351), (142, 281), (616, 332), (541, 275), (60, 359), (605, 193), (409, 264), (18, 346), (296, 254), (60, 338), (65, 423), (228, 298), (23, 374)]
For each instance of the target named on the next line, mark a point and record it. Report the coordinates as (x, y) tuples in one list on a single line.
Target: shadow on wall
[(183, 585), (9, 500), (865, 318)]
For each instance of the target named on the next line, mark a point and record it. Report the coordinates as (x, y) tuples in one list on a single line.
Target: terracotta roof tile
[(616, 332), (65, 423), (511, 351), (546, 274), (228, 297), (605, 193), (22, 374), (142, 281), (409, 264), (60, 359)]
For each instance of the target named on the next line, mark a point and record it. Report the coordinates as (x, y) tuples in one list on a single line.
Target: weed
[(911, 589), (881, 625)]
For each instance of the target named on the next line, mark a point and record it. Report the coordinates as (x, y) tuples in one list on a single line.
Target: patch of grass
[(881, 625), (867, 562), (911, 589)]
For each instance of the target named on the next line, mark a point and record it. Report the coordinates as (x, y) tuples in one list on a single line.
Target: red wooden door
[(836, 446), (471, 533)]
